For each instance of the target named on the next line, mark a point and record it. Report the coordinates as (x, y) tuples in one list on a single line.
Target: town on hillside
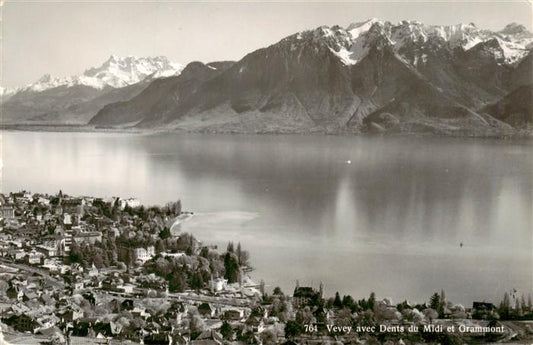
[(86, 270)]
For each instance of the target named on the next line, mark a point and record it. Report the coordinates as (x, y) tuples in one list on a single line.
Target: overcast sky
[(65, 38)]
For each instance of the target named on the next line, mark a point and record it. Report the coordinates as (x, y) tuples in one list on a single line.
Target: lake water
[(360, 214)]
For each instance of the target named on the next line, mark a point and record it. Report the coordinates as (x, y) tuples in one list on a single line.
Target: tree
[(204, 252), (165, 233), (431, 314), (316, 300), (337, 302), (76, 253), (230, 248), (366, 318), (450, 339), (277, 291), (505, 306), (506, 300), (197, 281), (434, 301), (242, 255), (177, 283), (343, 318), (128, 209), (177, 211), (442, 304), (98, 260), (262, 287), (304, 316), (363, 304), (292, 329), (226, 331), (402, 306), (128, 257), (349, 302), (231, 267), (196, 324), (11, 291), (160, 246), (116, 203), (269, 337), (141, 212), (371, 301)]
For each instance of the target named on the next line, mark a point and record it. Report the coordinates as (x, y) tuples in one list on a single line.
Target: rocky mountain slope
[(74, 100), (160, 96), (370, 76), (515, 108)]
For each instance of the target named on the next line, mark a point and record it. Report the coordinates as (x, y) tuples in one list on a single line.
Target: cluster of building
[(46, 297), (26, 220)]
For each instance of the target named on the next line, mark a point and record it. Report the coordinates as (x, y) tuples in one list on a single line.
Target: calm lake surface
[(361, 214)]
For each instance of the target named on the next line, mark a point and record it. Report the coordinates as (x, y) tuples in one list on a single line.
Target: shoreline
[(80, 128), (183, 217)]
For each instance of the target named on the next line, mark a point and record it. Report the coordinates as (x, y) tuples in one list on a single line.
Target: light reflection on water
[(391, 221)]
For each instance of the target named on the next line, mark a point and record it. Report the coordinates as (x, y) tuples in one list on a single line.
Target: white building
[(35, 257), (173, 255), (67, 219), (48, 249), (43, 201), (131, 202), (142, 255), (218, 284)]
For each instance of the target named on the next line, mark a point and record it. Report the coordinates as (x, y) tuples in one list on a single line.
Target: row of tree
[(508, 310)]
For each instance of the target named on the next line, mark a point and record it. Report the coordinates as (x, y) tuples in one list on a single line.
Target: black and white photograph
[(266, 172)]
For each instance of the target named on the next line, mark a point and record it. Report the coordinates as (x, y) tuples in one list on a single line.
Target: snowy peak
[(6, 92), (119, 72), (115, 72), (501, 50), (408, 31), (356, 29), (48, 82), (460, 35), (515, 29), (47, 78)]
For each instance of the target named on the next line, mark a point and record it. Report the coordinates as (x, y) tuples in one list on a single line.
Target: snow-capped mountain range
[(351, 44), (116, 72), (368, 76)]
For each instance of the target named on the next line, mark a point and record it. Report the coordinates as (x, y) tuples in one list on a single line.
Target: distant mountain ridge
[(76, 99), (371, 76), (115, 72)]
